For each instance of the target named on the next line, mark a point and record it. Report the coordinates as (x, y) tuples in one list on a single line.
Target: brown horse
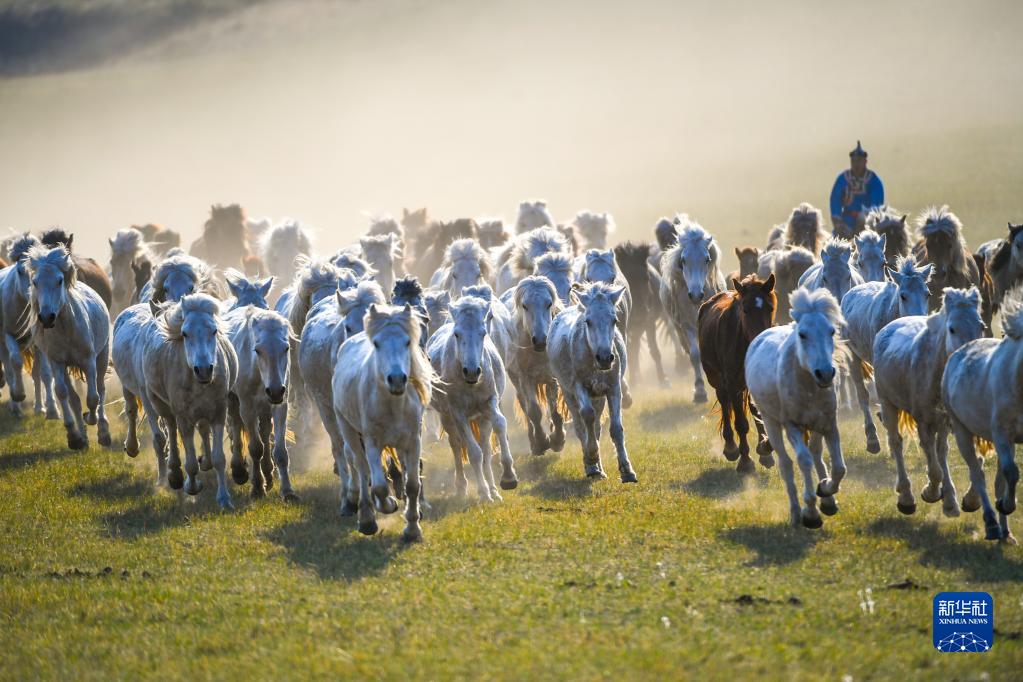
[(90, 272), (941, 243), (224, 241), (749, 261), (728, 323), (159, 239)]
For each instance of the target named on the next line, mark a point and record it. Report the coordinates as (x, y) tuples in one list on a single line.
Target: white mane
[(937, 219), (806, 302)]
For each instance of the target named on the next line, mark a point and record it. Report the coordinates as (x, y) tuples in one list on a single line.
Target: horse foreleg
[(614, 404), (978, 485), (413, 531), (774, 432), (13, 365), (1006, 449), (235, 424), (591, 446), (949, 497), (635, 335), (206, 460), (932, 491), (70, 406), (475, 453), (175, 477), (43, 373), (699, 391), (349, 501), (763, 442), (827, 503), (378, 476), (102, 425), (863, 397), (557, 438), (906, 502), (830, 486), (367, 512), (193, 486), (131, 411), (220, 465), (250, 422), (804, 458), (509, 479), (745, 464), (266, 462), (280, 451)]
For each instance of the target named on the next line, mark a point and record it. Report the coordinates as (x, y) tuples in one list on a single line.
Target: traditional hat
[(859, 151)]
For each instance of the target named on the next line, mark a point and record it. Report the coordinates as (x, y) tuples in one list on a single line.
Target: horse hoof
[(906, 509), (766, 461), (388, 505), (557, 443), (970, 502), (52, 415), (511, 484), (764, 449), (821, 492), (930, 498), (745, 465), (205, 463), (629, 477), (131, 450), (594, 471), (873, 445), (829, 507), (700, 398), (1003, 508), (239, 474), (731, 453), (193, 486), (348, 508), (76, 442), (257, 492), (175, 479), (411, 536), (950, 511), (993, 532), (105, 440), (368, 527), (290, 497), (812, 522)]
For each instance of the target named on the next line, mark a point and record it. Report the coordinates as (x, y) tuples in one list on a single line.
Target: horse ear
[(973, 295), (265, 286), (738, 254), (893, 275), (373, 311), (111, 240), (233, 286), (70, 238), (926, 272), (769, 283), (902, 220), (737, 285), (154, 308)]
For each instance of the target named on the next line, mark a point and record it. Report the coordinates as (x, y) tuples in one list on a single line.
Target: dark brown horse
[(728, 323), (90, 272), (942, 245), (158, 238), (749, 261), (646, 307)]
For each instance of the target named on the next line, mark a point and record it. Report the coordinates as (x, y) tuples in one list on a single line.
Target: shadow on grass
[(564, 487), (22, 460), (979, 559), (874, 471), (117, 487), (775, 544), (714, 483), (671, 416)]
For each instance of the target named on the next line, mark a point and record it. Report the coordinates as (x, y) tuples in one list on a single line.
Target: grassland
[(691, 573)]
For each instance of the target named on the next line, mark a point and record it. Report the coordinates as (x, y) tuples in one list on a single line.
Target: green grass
[(692, 572)]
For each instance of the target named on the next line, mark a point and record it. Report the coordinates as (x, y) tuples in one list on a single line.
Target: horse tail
[(982, 445), (867, 370), (906, 422), (76, 373), (391, 460), (28, 359), (138, 406)]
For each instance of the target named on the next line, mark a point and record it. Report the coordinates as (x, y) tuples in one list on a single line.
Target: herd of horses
[(417, 329)]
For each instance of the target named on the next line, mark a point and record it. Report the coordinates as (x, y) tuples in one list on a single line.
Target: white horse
[(519, 258), (436, 304), (349, 261), (383, 253), (16, 322), (593, 228), (176, 276), (531, 215), (534, 304), (867, 308), (188, 372), (128, 249), (834, 272), (72, 329), (909, 359), (587, 356), (983, 391), (280, 248), (559, 269), (689, 276), (382, 385), (602, 266), (465, 264), (787, 265), (471, 369), (258, 401), (870, 256), (329, 323), (246, 291), (790, 372), (500, 322)]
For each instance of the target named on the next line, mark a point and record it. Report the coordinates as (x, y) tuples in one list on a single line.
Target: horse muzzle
[(396, 383), (276, 395), (48, 320), (824, 378), (696, 296), (472, 376), (539, 345), (204, 375), (604, 361)]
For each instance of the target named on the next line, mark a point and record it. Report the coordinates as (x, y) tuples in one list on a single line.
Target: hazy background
[(114, 112)]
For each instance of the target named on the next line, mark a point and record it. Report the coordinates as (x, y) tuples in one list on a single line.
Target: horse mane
[(821, 301), (690, 232), (533, 244), (867, 237), (553, 263), (801, 212), (288, 230), (312, 275), (200, 272), (384, 225), (366, 293), (906, 266), (56, 236), (22, 245), (129, 242), (470, 250), (836, 247), (407, 289), (960, 298), (382, 317), (273, 318), (40, 255), (482, 291), (886, 220), (537, 281), (349, 261), (537, 207), (171, 321), (470, 303), (1012, 314), (940, 220)]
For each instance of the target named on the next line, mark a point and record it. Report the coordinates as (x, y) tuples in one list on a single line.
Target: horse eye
[(951, 330), (802, 336), (408, 343), (376, 345), (902, 296), (708, 260), (184, 335), (549, 306), (457, 335)]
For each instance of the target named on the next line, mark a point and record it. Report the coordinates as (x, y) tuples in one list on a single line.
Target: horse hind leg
[(863, 398), (71, 406), (617, 432), (42, 372), (102, 424), (932, 491), (906, 502), (1003, 519), (557, 437), (131, 411), (731, 450), (280, 451), (978, 484), (239, 472), (809, 515), (764, 448), (785, 469), (655, 352), (738, 409), (266, 462), (949, 498), (486, 431), (699, 390), (1009, 471)]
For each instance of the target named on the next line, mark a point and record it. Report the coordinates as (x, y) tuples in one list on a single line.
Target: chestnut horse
[(727, 324)]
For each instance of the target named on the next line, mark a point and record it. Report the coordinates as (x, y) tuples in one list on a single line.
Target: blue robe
[(851, 196)]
